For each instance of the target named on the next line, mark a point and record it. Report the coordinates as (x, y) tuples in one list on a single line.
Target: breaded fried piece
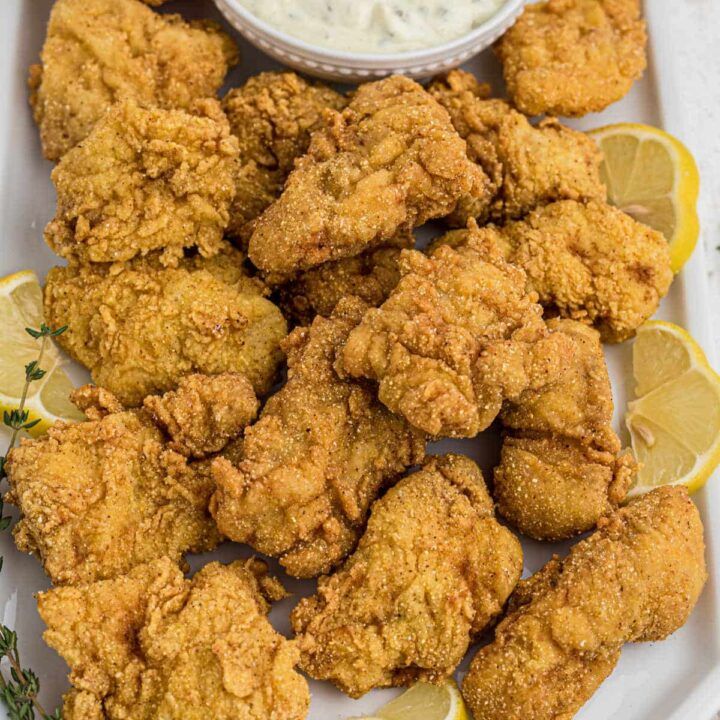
[(528, 165), (204, 413), (636, 579), (141, 327), (145, 180), (573, 57), (98, 52), (593, 263), (272, 115), (323, 449), (388, 163), (152, 644), (457, 336), (433, 568), (99, 497), (370, 276), (587, 261), (561, 469)]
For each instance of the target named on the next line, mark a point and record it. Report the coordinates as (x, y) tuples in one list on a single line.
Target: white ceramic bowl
[(359, 67)]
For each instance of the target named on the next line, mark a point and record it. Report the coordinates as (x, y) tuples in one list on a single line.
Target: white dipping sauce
[(374, 26)]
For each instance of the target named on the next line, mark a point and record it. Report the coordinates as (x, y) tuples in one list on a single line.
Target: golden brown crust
[(433, 568), (573, 57), (637, 578), (388, 163), (153, 644), (273, 115), (321, 452), (99, 497), (593, 263), (561, 469), (457, 336), (141, 327), (587, 261), (145, 180), (204, 413), (528, 166), (96, 402), (98, 52), (370, 276)]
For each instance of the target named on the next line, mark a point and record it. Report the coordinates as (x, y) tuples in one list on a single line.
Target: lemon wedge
[(652, 176), (47, 398), (675, 422), (425, 701)]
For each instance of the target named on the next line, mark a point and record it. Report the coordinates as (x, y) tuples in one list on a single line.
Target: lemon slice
[(675, 422), (652, 176), (47, 398), (425, 701)]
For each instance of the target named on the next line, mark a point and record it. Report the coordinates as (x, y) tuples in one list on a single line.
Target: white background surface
[(695, 50), (652, 681)]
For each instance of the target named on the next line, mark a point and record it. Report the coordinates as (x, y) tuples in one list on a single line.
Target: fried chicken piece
[(573, 57), (636, 579), (528, 165), (433, 568), (320, 454), (152, 644), (587, 261), (273, 115), (141, 327), (98, 52), (144, 180), (561, 469), (204, 413), (99, 497), (370, 276), (388, 163), (457, 336)]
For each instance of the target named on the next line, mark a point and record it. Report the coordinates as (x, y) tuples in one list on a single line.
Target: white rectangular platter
[(678, 679)]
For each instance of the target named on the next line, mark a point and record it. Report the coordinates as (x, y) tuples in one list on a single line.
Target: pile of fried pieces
[(196, 231)]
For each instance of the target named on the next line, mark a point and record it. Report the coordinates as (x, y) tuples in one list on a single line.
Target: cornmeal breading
[(636, 579), (273, 115), (99, 497), (141, 327), (145, 180), (98, 52), (389, 162), (152, 644), (528, 165), (561, 469), (433, 568), (573, 57), (593, 263), (322, 451), (587, 261), (204, 413), (457, 336), (370, 276)]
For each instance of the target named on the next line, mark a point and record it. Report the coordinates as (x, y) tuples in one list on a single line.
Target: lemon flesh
[(47, 398), (653, 177), (674, 423), (424, 701)]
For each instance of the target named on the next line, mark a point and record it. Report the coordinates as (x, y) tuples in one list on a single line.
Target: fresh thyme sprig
[(16, 419), (18, 693)]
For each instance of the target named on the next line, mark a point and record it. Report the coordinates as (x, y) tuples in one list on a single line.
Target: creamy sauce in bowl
[(374, 26)]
